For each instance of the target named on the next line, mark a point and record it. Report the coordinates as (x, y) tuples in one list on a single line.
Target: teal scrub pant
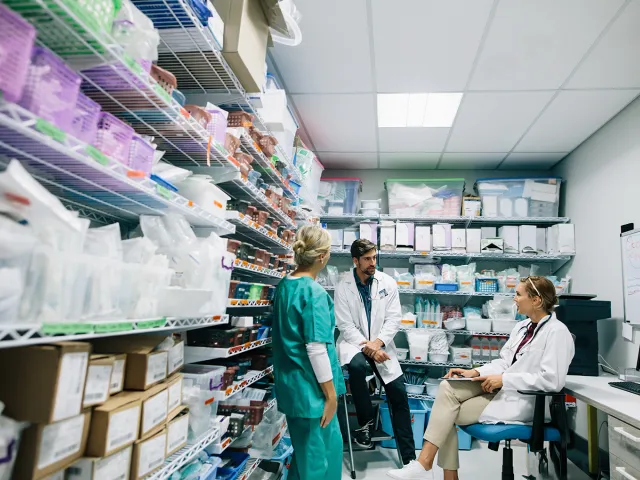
[(317, 451)]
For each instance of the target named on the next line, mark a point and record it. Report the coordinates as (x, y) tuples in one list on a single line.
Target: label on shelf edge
[(160, 322), (163, 191), (50, 130), (97, 155), (66, 328)]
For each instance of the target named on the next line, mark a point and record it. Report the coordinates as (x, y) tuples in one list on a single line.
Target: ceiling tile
[(537, 44), (572, 117), (532, 161), (472, 161), (339, 123), (614, 62), (409, 160), (348, 161), (426, 45), (494, 122), (334, 55), (412, 139)]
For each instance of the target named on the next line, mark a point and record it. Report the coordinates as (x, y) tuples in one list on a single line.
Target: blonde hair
[(311, 242), (541, 287)]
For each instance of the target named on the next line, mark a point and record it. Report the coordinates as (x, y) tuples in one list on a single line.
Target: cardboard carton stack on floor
[(112, 406)]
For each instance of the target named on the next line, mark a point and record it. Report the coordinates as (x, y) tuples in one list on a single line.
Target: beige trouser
[(457, 403)]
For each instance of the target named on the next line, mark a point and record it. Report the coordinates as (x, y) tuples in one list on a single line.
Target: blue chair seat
[(500, 432)]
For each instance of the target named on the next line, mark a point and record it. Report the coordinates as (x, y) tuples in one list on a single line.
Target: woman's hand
[(459, 372), (330, 408), (490, 383)]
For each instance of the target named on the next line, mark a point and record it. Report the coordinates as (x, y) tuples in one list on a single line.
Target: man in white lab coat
[(368, 313)]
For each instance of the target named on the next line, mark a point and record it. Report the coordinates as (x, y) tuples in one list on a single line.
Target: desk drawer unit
[(624, 443), (621, 470)]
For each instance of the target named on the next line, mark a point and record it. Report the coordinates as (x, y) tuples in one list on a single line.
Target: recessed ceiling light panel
[(430, 110)]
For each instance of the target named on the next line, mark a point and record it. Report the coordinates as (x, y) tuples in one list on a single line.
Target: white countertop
[(596, 391)]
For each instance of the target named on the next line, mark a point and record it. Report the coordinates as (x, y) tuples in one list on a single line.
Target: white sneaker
[(412, 471)]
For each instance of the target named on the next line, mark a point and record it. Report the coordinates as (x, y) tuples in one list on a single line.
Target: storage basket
[(199, 114), (141, 155), (239, 119), (165, 79), (16, 44), (487, 285), (51, 89), (446, 287), (268, 145), (85, 119), (114, 138)]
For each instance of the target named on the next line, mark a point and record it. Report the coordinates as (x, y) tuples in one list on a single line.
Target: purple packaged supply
[(114, 138), (217, 127), (51, 89), (16, 45), (141, 155), (86, 114)]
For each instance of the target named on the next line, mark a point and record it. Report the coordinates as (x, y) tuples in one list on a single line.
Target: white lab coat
[(351, 320), (542, 365)]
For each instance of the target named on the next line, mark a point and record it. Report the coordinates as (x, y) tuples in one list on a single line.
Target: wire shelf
[(257, 233), (469, 221), (80, 175), (468, 332), (441, 364), (420, 397), (238, 387), (248, 146), (202, 354), (241, 188), (406, 291), (242, 266), (20, 335), (236, 303), (464, 256)]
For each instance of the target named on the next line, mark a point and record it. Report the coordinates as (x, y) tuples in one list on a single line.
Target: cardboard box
[(59, 475), (43, 383), (471, 206), (405, 236), (177, 431), (175, 359), (98, 383), (117, 375), (174, 390), (46, 449), (492, 245), (459, 240), (474, 235), (115, 466), (541, 240), (509, 234), (114, 425), (528, 238), (148, 455), (246, 35), (144, 366), (154, 409), (423, 239)]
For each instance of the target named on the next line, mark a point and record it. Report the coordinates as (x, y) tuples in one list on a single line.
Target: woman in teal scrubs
[(308, 378)]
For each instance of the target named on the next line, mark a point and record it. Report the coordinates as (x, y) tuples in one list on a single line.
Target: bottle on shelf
[(476, 348), (486, 349), (502, 341), (495, 348)]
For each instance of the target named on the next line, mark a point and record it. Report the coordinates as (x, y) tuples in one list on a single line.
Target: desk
[(598, 395)]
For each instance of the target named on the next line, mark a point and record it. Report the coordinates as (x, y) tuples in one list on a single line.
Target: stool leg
[(507, 462), (395, 437), (350, 445)]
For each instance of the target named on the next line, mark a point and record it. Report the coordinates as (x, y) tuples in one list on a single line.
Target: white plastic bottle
[(476, 348), (486, 349), (502, 341), (495, 348)]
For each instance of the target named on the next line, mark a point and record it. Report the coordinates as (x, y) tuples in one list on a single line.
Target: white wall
[(601, 194)]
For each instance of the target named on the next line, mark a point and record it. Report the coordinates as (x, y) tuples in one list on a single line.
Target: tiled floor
[(480, 463)]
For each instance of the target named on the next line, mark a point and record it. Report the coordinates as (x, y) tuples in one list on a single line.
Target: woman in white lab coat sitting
[(536, 357)]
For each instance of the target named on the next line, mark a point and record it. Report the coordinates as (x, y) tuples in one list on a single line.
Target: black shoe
[(362, 436)]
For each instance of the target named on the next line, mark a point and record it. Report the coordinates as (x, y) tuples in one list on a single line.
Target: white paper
[(177, 433), (96, 389), (156, 368), (73, 372), (151, 454), (175, 395), (627, 331), (154, 411), (60, 440), (176, 357), (123, 427), (117, 377)]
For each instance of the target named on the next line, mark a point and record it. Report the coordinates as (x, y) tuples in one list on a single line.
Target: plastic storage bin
[(419, 411), (85, 119), (479, 324), (141, 155), (487, 285), (205, 194), (419, 197), (51, 89), (519, 197), (503, 326), (234, 468), (338, 196), (15, 52), (114, 138)]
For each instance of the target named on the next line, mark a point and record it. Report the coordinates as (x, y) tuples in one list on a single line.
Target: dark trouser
[(397, 397)]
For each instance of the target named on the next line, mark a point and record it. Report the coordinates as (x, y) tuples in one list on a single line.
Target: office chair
[(556, 433)]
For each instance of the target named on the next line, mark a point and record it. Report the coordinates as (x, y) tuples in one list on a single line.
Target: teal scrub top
[(303, 313)]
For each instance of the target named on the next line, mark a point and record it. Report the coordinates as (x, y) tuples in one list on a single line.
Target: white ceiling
[(538, 76)]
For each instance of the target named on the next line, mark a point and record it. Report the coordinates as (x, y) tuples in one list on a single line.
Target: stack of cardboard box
[(112, 405)]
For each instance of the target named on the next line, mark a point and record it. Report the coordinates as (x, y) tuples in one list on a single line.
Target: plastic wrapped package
[(440, 342), (466, 277), (104, 242), (135, 32), (272, 425), (449, 274), (170, 173), (201, 190), (508, 280), (419, 341), (200, 417), (403, 280), (415, 197), (501, 307)]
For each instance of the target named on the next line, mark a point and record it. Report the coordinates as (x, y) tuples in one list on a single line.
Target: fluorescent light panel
[(430, 110)]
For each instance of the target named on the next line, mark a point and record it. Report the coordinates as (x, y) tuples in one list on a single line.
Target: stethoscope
[(541, 324)]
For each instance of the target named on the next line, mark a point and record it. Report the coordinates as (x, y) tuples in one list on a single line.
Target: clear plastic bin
[(340, 196), (519, 197), (420, 197)]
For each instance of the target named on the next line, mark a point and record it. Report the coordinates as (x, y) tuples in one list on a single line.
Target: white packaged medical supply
[(405, 236), (350, 236), (561, 239), (369, 231), (505, 207), (460, 355), (489, 206), (541, 240), (387, 238), (423, 239), (509, 234), (528, 238), (337, 237), (489, 232), (441, 239), (473, 240), (521, 207), (458, 240)]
